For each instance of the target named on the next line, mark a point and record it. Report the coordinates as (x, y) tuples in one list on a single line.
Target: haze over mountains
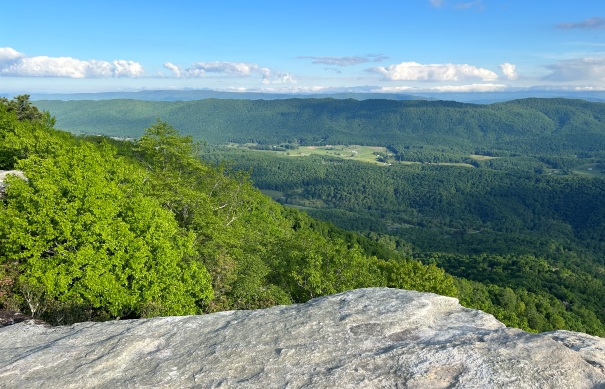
[(197, 94)]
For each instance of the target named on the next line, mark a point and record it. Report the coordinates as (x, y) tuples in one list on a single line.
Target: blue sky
[(402, 46)]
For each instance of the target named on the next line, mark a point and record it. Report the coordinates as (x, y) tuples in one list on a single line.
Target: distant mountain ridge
[(198, 94), (536, 125)]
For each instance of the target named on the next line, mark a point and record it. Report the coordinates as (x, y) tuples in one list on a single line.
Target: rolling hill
[(538, 126)]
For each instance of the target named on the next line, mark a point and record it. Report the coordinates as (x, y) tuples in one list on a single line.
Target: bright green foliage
[(20, 138), (258, 253), (530, 311), (166, 150), (423, 278), (218, 210), (152, 230), (179, 180), (307, 265), (82, 228)]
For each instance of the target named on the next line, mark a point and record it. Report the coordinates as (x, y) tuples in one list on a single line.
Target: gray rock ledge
[(366, 338)]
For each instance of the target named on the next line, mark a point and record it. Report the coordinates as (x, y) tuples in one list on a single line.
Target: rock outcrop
[(4, 173), (366, 338)]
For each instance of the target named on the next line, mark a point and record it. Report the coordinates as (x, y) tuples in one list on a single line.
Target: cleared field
[(590, 170), (368, 154), (358, 153), (478, 157), (454, 164)]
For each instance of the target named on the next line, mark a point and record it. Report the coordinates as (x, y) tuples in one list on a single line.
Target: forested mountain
[(105, 228), (516, 229), (101, 231), (537, 126)]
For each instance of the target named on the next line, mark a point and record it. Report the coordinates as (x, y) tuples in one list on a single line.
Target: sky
[(311, 46)]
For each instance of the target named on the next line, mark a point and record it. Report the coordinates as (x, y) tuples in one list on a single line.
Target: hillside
[(141, 229), (542, 126), (106, 229)]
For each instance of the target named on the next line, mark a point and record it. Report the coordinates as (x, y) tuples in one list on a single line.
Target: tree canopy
[(104, 228)]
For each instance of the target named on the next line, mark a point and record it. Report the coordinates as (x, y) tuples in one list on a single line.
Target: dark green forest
[(514, 229), (519, 236), (528, 126)]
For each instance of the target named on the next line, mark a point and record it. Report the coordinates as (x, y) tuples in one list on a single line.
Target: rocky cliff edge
[(366, 338)]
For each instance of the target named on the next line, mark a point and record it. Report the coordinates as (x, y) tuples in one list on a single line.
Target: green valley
[(494, 204)]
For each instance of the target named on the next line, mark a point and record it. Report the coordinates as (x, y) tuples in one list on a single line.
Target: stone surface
[(4, 173), (366, 338)]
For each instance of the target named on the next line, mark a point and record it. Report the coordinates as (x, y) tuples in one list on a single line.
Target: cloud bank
[(470, 88), (16, 64), (237, 69), (579, 69), (413, 71)]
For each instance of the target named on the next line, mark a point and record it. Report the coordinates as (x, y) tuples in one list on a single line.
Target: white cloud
[(174, 68), (281, 78), (233, 68), (470, 88), (443, 88), (8, 54), (298, 89), (238, 69), (589, 88), (13, 63), (509, 70), (123, 68), (586, 69), (436, 3), (412, 71), (488, 87), (239, 89), (393, 89)]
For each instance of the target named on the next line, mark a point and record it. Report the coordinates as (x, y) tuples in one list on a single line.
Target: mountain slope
[(536, 125)]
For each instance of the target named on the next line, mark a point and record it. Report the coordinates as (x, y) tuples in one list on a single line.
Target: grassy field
[(589, 170), (368, 154), (355, 152), (478, 157)]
